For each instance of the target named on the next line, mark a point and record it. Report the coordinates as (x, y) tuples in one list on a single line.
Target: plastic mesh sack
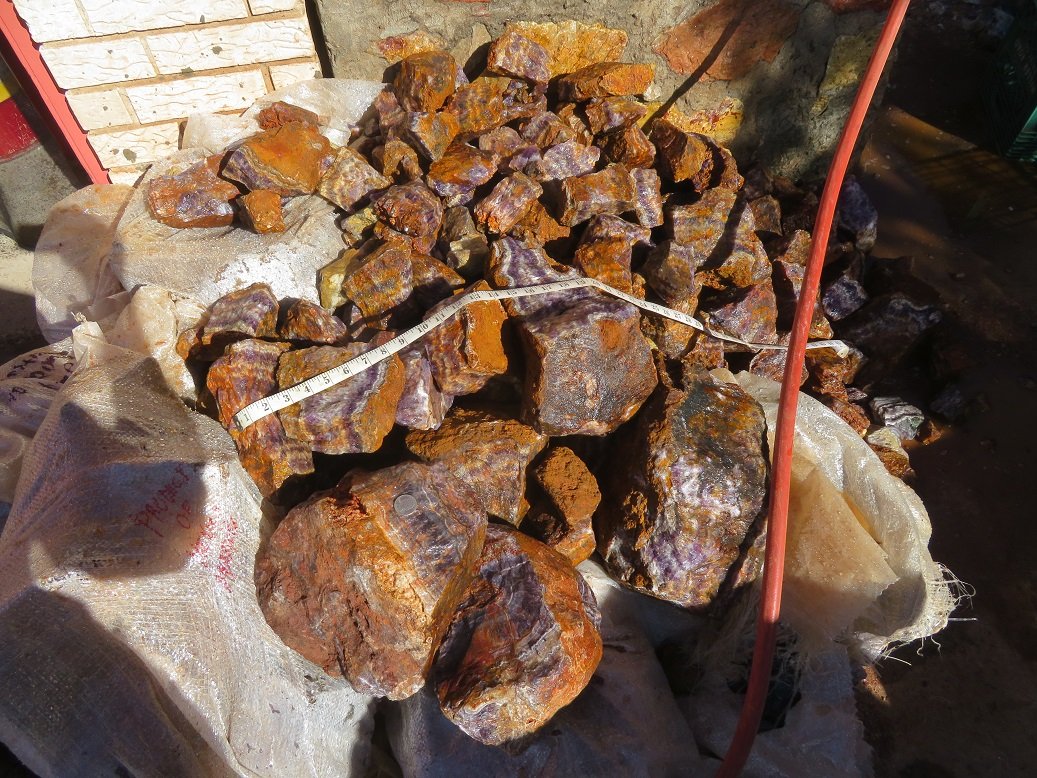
[(133, 639)]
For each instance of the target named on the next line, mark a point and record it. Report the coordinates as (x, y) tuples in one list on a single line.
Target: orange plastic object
[(29, 58), (781, 470)]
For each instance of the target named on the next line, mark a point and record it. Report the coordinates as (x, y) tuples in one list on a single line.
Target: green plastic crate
[(1012, 97)]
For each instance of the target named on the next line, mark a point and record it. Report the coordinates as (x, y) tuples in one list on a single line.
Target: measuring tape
[(253, 412)]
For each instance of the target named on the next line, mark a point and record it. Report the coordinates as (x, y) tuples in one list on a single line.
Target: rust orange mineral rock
[(509, 201), (460, 170), (489, 451), (351, 417), (286, 160), (261, 210), (411, 209), (679, 543), (467, 350), (683, 156), (588, 368), (605, 79), (425, 80), (246, 374), (280, 112), (197, 197), (608, 191), (573, 497), (523, 644), (363, 580)]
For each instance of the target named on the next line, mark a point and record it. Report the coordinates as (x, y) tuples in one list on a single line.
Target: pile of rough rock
[(448, 554)]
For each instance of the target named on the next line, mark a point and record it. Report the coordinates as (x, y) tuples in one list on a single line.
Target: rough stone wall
[(771, 78), (132, 70)]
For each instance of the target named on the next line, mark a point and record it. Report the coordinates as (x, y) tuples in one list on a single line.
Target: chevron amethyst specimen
[(244, 313), (348, 418), (196, 197), (425, 80), (363, 579), (679, 543), (247, 374), (608, 191), (517, 56), (422, 405), (349, 179), (720, 230), (487, 449), (564, 160), (307, 322), (286, 160), (467, 350), (523, 644), (588, 368)]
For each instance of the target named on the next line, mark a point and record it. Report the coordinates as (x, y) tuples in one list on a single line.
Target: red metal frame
[(53, 99)]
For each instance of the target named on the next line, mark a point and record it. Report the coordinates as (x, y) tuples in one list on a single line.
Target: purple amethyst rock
[(689, 482), (588, 368), (347, 418)]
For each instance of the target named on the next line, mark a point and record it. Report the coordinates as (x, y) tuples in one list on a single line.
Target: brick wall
[(132, 70)]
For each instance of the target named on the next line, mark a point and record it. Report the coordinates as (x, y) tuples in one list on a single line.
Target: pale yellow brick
[(286, 75), (271, 6), (52, 20), (97, 62), (112, 16), (180, 98), (225, 46), (127, 176), (94, 110), (136, 146)]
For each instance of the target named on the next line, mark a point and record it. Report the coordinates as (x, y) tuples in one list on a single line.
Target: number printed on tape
[(252, 413)]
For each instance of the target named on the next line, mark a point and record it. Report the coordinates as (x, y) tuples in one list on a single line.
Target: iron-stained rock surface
[(523, 644), (247, 374), (689, 480), (363, 579), (572, 497), (467, 350), (588, 368), (487, 449), (196, 197), (351, 417), (286, 160)]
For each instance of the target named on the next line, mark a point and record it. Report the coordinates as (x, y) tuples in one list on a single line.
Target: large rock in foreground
[(364, 579), (689, 481), (588, 368), (523, 643)]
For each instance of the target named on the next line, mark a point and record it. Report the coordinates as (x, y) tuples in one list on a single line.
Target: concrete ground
[(18, 329)]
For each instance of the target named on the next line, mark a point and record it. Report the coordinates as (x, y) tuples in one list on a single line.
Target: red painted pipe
[(785, 428), (31, 62)]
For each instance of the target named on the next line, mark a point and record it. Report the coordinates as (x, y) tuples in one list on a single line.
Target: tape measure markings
[(255, 411)]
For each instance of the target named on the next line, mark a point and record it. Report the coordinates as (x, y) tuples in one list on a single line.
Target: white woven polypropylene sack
[(133, 640)]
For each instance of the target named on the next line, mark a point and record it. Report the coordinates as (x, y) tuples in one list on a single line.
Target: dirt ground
[(964, 704)]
